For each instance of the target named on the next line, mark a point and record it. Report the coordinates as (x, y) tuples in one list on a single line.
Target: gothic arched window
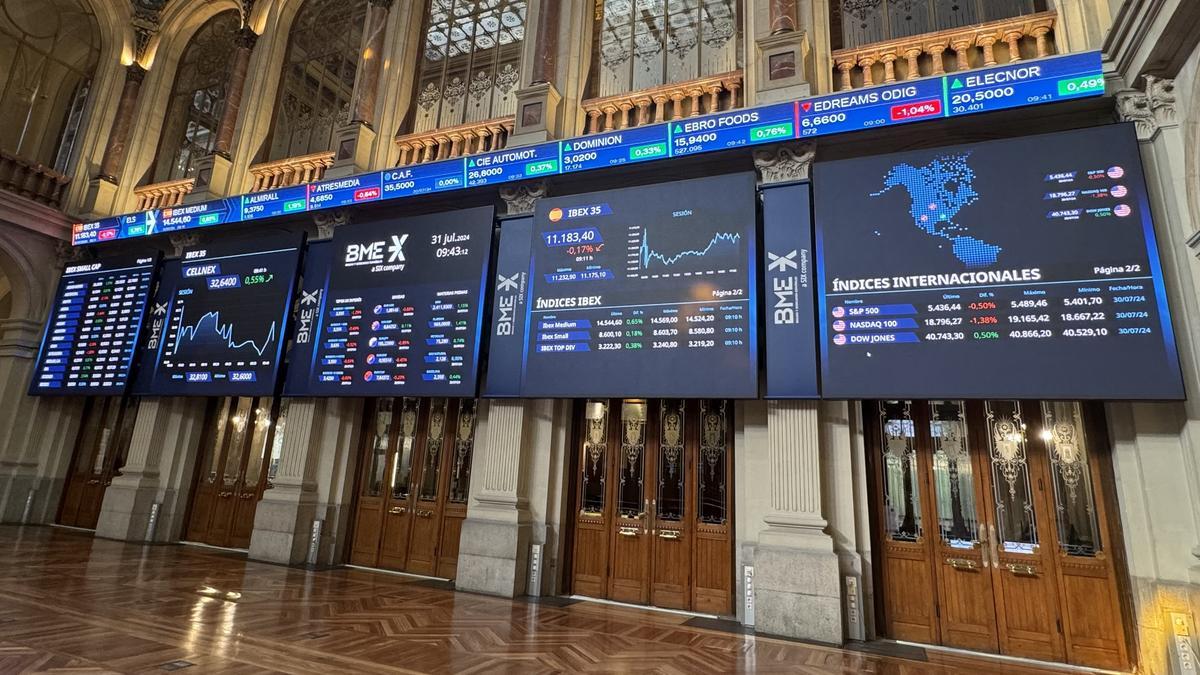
[(641, 44), (48, 54), (197, 98), (317, 83), (861, 22), (471, 63)]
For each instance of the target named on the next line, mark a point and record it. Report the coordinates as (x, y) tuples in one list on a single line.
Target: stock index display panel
[(1020, 268), (646, 291), (219, 320), (90, 336), (402, 308)]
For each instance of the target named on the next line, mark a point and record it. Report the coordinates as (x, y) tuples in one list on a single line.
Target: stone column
[(493, 553), (1156, 446), (797, 582), (539, 100), (356, 140), (776, 69), (283, 520), (158, 470), (118, 138)]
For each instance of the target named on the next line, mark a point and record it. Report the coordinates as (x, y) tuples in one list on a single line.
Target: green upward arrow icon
[(957, 84), (470, 163), (678, 129)]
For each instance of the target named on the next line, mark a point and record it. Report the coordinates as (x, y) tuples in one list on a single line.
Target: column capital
[(329, 220), (246, 38), (521, 199), (785, 163), (1149, 110)]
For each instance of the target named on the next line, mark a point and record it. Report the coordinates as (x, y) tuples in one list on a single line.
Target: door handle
[(1021, 570), (628, 531), (668, 534), (397, 510), (424, 514), (94, 481), (983, 547), (962, 564)]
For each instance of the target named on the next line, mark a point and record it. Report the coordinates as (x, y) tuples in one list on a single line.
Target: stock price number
[(1030, 334), (970, 99), (694, 142), (1085, 332), (1083, 316)]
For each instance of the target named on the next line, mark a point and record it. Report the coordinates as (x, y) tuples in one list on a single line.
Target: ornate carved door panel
[(652, 524), (414, 480), (99, 453)]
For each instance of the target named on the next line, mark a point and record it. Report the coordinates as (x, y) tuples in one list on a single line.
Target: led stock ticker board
[(1019, 268), (93, 327), (648, 290), (219, 321), (400, 309), (957, 94)]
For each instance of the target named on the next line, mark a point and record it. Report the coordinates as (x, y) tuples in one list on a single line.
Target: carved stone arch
[(180, 22), (27, 260)]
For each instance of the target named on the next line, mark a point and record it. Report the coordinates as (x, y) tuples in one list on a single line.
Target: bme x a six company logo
[(789, 274), (372, 254)]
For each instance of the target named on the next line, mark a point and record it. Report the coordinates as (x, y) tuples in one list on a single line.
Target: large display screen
[(645, 291), (1016, 268), (93, 326), (403, 307), (219, 320), (314, 282)]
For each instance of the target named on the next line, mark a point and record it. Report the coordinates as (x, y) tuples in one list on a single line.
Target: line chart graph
[(199, 331), (681, 254)]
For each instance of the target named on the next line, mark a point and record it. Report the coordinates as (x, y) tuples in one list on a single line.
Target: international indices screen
[(93, 327), (1016, 268), (219, 320), (645, 291)]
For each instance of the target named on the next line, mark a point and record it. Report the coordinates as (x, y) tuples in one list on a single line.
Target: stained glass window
[(595, 455), (1074, 498), (1008, 453), (197, 98), (470, 64)]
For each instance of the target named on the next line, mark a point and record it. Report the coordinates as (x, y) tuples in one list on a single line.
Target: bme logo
[(507, 292), (369, 254)]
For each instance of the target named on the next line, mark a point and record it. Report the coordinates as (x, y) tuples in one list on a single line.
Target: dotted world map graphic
[(937, 192)]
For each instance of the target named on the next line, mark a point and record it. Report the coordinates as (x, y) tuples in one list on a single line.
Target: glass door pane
[(1011, 488), (381, 431), (595, 447), (672, 421), (631, 462), (464, 446), (402, 467), (1074, 500), (436, 434), (224, 406), (710, 483), (953, 477), (238, 423), (901, 482), (259, 436)]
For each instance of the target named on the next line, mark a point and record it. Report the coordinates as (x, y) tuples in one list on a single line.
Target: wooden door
[(960, 555), (592, 518), (1083, 538), (671, 531), (398, 504), (1015, 542), (414, 482), (210, 468), (1023, 571), (631, 539), (457, 476), (652, 524), (429, 492), (902, 531), (231, 471), (372, 482), (99, 454)]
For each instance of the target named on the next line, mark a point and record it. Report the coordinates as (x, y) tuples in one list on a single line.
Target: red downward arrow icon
[(806, 106)]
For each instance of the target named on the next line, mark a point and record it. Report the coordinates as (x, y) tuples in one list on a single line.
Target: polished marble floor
[(71, 603)]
